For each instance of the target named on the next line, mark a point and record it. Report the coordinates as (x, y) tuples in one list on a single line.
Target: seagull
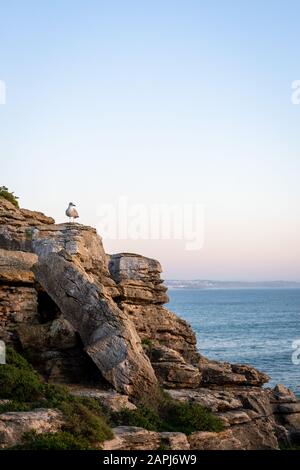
[(71, 212)]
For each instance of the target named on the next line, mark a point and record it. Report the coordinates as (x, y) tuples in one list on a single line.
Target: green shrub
[(52, 441), (15, 359), (143, 417), (190, 417), (163, 446), (55, 395), (81, 421), (14, 406), (289, 447), (18, 380), (83, 416), (85, 424), (92, 405), (9, 196), (170, 415), (19, 383)]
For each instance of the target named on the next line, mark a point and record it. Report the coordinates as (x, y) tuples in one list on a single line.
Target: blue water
[(251, 326)]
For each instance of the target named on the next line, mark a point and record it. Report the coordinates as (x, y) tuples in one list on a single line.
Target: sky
[(160, 103)]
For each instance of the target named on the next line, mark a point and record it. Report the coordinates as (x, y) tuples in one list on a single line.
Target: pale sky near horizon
[(160, 102)]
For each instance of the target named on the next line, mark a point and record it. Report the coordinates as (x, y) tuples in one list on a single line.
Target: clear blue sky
[(161, 101)]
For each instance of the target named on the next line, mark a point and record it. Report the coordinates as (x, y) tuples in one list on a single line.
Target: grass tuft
[(9, 196)]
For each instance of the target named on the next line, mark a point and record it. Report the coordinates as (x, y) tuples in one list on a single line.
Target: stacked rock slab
[(14, 425), (169, 340), (72, 269), (18, 297), (259, 418), (141, 294)]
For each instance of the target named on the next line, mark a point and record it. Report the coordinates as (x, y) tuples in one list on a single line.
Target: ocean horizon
[(255, 326)]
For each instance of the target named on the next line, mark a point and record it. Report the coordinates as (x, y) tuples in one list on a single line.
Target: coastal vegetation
[(9, 196), (85, 423), (167, 414)]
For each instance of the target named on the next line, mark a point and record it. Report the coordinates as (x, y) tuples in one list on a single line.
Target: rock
[(172, 370), (4, 401), (256, 435), (253, 377), (283, 394), (67, 367), (214, 441), (214, 400), (138, 272), (141, 295), (14, 424), (109, 399), (284, 436), (290, 421), (109, 337), (163, 328), (79, 243), (174, 441), (56, 351), (18, 305), (18, 297), (288, 408), (245, 411), (217, 373), (293, 437), (233, 417), (16, 267), (55, 335), (17, 226), (132, 438), (255, 399), (252, 436)]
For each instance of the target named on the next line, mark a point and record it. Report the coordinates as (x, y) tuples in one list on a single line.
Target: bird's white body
[(71, 212)]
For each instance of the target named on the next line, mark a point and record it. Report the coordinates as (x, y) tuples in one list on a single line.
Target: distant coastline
[(208, 284)]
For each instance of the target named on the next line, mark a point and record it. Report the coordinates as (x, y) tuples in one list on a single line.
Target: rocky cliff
[(98, 322)]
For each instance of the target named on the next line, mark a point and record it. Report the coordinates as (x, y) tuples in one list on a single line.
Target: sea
[(260, 327)]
